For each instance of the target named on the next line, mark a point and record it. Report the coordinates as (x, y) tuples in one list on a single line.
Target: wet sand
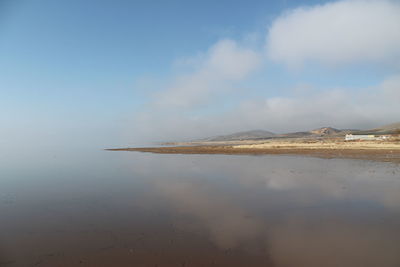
[(380, 151)]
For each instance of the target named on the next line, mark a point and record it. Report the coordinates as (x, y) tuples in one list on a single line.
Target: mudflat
[(381, 151)]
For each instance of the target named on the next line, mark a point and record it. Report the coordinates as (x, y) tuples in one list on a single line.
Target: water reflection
[(229, 224), (307, 212), (132, 209)]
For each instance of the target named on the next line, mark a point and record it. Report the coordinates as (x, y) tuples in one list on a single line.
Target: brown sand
[(380, 151)]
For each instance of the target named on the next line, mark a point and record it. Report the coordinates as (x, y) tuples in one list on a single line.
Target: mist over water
[(100, 208)]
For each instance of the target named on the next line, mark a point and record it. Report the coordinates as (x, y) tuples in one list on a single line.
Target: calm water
[(132, 209)]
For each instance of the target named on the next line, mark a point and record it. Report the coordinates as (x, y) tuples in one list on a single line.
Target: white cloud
[(340, 108), (337, 33), (224, 63)]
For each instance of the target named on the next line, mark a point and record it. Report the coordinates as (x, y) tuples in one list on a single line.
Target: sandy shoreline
[(380, 151), (335, 145)]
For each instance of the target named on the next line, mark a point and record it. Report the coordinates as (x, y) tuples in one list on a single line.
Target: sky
[(115, 73)]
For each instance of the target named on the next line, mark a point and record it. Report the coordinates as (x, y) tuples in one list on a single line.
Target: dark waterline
[(132, 209)]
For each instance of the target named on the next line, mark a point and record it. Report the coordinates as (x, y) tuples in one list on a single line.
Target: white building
[(351, 137)]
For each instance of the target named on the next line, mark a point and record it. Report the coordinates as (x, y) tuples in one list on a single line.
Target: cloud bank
[(336, 107), (337, 33), (340, 33), (225, 62)]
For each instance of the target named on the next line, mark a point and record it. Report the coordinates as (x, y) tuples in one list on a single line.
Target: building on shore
[(369, 137)]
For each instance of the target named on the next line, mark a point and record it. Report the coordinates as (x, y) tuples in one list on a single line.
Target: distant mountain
[(393, 128), (325, 131), (261, 134), (248, 135), (320, 132)]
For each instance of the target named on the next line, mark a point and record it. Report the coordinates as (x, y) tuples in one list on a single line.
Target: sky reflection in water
[(124, 209)]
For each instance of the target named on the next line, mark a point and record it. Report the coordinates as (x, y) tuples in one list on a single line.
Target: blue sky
[(122, 72)]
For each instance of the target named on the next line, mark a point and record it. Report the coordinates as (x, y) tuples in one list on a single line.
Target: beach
[(370, 150)]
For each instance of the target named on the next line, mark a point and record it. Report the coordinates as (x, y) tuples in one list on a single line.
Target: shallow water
[(133, 209)]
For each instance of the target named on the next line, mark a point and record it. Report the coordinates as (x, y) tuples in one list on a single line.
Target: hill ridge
[(393, 128)]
